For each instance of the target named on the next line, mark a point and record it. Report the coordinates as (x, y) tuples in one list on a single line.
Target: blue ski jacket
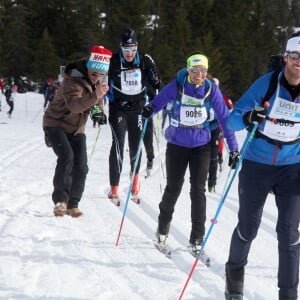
[(191, 137), (262, 150)]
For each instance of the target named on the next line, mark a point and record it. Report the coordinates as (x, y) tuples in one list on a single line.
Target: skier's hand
[(234, 157), (102, 119), (147, 111), (101, 89), (255, 116)]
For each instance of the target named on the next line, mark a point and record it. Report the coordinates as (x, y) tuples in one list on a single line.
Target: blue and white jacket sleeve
[(251, 99)]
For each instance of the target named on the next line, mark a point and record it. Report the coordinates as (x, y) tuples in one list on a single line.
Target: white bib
[(131, 82), (192, 111), (283, 110)]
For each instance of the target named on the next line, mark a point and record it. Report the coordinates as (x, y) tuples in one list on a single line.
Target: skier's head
[(197, 66), (292, 60), (128, 38), (129, 44), (14, 88), (98, 63)]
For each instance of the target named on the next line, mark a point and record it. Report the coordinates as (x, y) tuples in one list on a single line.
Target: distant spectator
[(1, 85), (1, 90), (49, 90), (11, 95), (217, 143)]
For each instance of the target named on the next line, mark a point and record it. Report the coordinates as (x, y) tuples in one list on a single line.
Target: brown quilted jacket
[(72, 102)]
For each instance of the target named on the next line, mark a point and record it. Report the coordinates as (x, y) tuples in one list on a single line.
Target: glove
[(98, 116), (94, 110), (255, 116), (101, 118), (234, 157), (147, 111)]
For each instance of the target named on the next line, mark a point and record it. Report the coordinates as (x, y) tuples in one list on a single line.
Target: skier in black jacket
[(128, 73)]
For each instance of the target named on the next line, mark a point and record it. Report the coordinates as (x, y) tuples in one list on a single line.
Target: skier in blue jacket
[(190, 97), (272, 162)]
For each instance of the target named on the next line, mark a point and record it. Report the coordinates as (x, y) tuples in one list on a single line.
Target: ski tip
[(164, 249), (115, 201), (136, 199)]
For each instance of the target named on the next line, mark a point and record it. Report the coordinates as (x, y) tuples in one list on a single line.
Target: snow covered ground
[(43, 257)]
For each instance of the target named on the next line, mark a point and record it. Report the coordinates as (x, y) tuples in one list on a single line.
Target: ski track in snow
[(43, 257)]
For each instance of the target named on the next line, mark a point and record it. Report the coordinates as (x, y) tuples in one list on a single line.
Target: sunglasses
[(198, 70), (98, 75), (293, 55), (129, 50)]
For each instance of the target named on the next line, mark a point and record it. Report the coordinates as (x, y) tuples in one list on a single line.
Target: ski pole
[(138, 154), (161, 166), (37, 114), (96, 140), (221, 202)]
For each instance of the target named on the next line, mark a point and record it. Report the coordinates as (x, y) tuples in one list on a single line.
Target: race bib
[(283, 111), (131, 82), (191, 116)]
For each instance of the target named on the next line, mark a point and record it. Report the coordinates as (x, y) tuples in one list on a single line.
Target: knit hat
[(128, 38), (99, 59), (293, 44), (14, 88), (197, 60)]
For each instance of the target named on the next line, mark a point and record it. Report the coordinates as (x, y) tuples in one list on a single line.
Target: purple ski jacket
[(191, 137)]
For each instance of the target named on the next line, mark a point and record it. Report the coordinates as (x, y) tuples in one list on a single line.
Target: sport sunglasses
[(129, 50), (293, 55)]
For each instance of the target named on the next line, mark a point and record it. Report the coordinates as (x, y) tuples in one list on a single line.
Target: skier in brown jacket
[(83, 87)]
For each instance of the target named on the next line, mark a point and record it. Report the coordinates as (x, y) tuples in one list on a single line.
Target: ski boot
[(113, 195), (212, 189), (149, 167), (135, 189), (234, 283)]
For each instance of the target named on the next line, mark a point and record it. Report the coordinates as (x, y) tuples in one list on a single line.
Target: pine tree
[(46, 63)]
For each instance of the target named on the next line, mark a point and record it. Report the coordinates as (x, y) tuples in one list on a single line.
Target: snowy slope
[(43, 257)]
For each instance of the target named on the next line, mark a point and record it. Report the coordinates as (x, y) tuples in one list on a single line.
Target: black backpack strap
[(272, 86)]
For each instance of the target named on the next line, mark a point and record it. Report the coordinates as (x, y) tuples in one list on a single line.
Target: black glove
[(255, 116), (234, 157), (100, 118), (147, 111)]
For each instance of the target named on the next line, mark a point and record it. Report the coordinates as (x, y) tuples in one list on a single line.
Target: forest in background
[(237, 36)]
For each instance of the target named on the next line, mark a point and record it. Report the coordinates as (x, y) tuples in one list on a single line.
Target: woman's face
[(95, 76), (197, 74)]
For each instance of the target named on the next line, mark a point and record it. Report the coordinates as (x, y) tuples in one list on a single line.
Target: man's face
[(96, 76), (129, 53), (292, 69)]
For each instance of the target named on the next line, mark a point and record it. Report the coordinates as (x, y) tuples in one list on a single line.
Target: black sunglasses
[(293, 55)]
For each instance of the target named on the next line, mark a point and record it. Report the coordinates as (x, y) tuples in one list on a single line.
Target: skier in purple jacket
[(191, 100)]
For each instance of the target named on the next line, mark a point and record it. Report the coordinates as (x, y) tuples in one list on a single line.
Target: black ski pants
[(71, 167), (256, 180), (148, 140), (177, 160), (122, 122), (11, 106), (213, 165)]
